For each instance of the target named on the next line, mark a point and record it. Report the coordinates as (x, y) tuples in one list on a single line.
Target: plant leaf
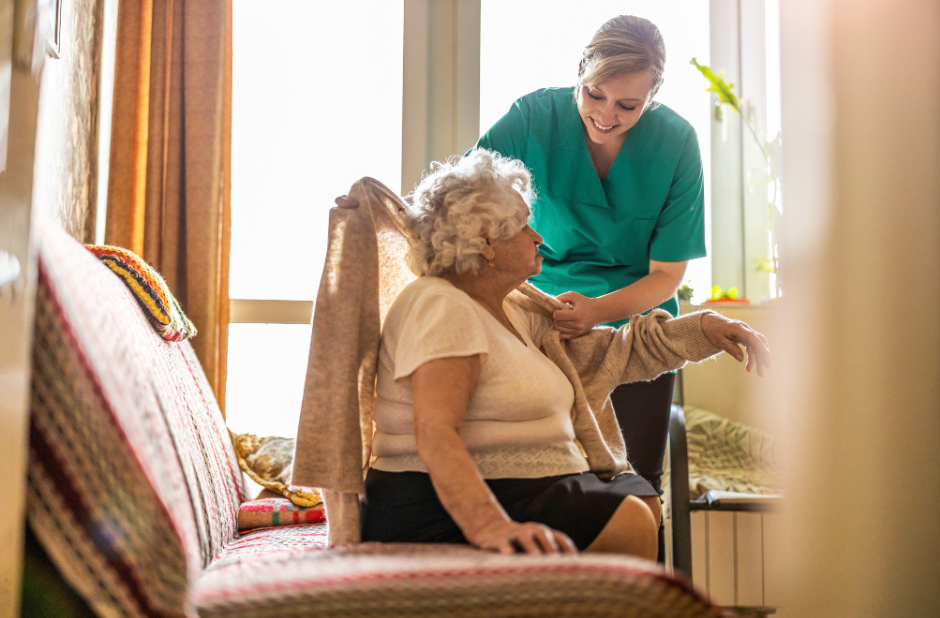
[(718, 85)]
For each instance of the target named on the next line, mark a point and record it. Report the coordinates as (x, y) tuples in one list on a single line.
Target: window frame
[(441, 116)]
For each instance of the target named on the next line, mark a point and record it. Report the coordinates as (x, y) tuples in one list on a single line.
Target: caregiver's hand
[(579, 319), (729, 334), (344, 202)]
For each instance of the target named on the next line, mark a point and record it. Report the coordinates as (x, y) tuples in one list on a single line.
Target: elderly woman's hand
[(579, 319), (510, 537), (729, 334)]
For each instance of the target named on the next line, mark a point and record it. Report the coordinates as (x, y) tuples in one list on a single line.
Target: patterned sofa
[(134, 491)]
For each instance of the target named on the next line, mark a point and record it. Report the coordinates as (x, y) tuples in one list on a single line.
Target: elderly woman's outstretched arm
[(655, 343), (442, 389)]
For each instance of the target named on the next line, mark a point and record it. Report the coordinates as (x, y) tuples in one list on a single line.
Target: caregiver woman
[(620, 204)]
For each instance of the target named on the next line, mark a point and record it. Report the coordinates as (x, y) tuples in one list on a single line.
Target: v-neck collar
[(526, 340)]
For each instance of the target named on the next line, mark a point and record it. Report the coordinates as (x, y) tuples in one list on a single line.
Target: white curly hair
[(459, 205)]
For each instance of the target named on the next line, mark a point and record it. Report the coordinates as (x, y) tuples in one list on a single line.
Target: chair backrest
[(133, 482)]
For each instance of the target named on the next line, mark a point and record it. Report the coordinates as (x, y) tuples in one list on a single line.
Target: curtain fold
[(170, 171)]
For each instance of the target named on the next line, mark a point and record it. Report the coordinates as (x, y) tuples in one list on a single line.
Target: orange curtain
[(170, 174)]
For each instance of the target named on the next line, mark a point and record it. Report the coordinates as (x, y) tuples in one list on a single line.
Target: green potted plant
[(769, 173)]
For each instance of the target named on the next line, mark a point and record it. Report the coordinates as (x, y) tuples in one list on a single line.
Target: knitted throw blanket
[(153, 295), (725, 455)]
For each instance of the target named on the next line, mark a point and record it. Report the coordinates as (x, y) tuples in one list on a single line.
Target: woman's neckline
[(514, 331)]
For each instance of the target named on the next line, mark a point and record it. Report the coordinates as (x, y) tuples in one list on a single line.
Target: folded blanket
[(726, 455), (153, 295)]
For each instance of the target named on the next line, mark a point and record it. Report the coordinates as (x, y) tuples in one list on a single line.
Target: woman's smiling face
[(611, 108)]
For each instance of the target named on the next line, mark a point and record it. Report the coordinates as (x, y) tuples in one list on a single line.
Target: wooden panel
[(18, 294), (774, 559), (721, 557), (749, 571), (699, 551), (270, 311)]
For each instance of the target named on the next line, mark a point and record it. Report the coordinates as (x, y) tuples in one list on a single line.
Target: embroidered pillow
[(268, 512), (151, 291), (269, 462)]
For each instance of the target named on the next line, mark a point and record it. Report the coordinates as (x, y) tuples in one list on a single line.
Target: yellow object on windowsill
[(729, 296)]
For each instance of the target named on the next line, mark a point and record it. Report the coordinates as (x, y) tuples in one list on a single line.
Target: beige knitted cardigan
[(364, 272)]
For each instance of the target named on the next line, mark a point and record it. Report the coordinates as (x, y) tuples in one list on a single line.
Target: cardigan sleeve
[(648, 346), (658, 343)]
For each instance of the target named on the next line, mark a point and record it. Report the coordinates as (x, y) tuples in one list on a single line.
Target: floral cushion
[(268, 462)]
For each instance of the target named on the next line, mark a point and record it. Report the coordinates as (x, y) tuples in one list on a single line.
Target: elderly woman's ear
[(488, 251), (344, 202)]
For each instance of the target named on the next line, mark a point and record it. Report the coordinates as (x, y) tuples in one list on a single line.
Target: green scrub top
[(601, 235)]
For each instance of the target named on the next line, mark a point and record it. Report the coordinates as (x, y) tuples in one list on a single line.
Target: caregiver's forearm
[(652, 290)]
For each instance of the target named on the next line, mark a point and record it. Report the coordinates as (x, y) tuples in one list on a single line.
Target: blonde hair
[(624, 44), (459, 205)]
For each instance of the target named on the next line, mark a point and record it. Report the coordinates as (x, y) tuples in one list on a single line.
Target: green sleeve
[(680, 229), (509, 135)]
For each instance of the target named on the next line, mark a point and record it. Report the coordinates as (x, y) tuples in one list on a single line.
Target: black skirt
[(402, 507)]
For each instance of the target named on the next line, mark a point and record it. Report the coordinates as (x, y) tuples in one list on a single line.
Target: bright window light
[(267, 364), (316, 105), (531, 44), (317, 90)]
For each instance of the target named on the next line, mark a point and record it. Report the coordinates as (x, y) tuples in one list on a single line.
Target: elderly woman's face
[(611, 108), (519, 254)]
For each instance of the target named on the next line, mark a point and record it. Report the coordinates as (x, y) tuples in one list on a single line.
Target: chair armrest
[(679, 494)]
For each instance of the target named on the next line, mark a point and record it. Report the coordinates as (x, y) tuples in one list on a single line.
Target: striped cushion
[(150, 290), (269, 512), (133, 483), (275, 577)]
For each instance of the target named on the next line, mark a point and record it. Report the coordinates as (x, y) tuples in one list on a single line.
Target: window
[(746, 45), (314, 109), (317, 103)]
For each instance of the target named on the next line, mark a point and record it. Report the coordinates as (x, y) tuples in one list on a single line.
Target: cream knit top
[(518, 419)]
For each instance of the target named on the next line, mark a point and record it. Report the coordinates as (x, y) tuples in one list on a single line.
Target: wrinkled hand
[(344, 202), (729, 334), (509, 537), (579, 319)]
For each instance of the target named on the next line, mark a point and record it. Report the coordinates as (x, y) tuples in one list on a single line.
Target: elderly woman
[(474, 441)]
